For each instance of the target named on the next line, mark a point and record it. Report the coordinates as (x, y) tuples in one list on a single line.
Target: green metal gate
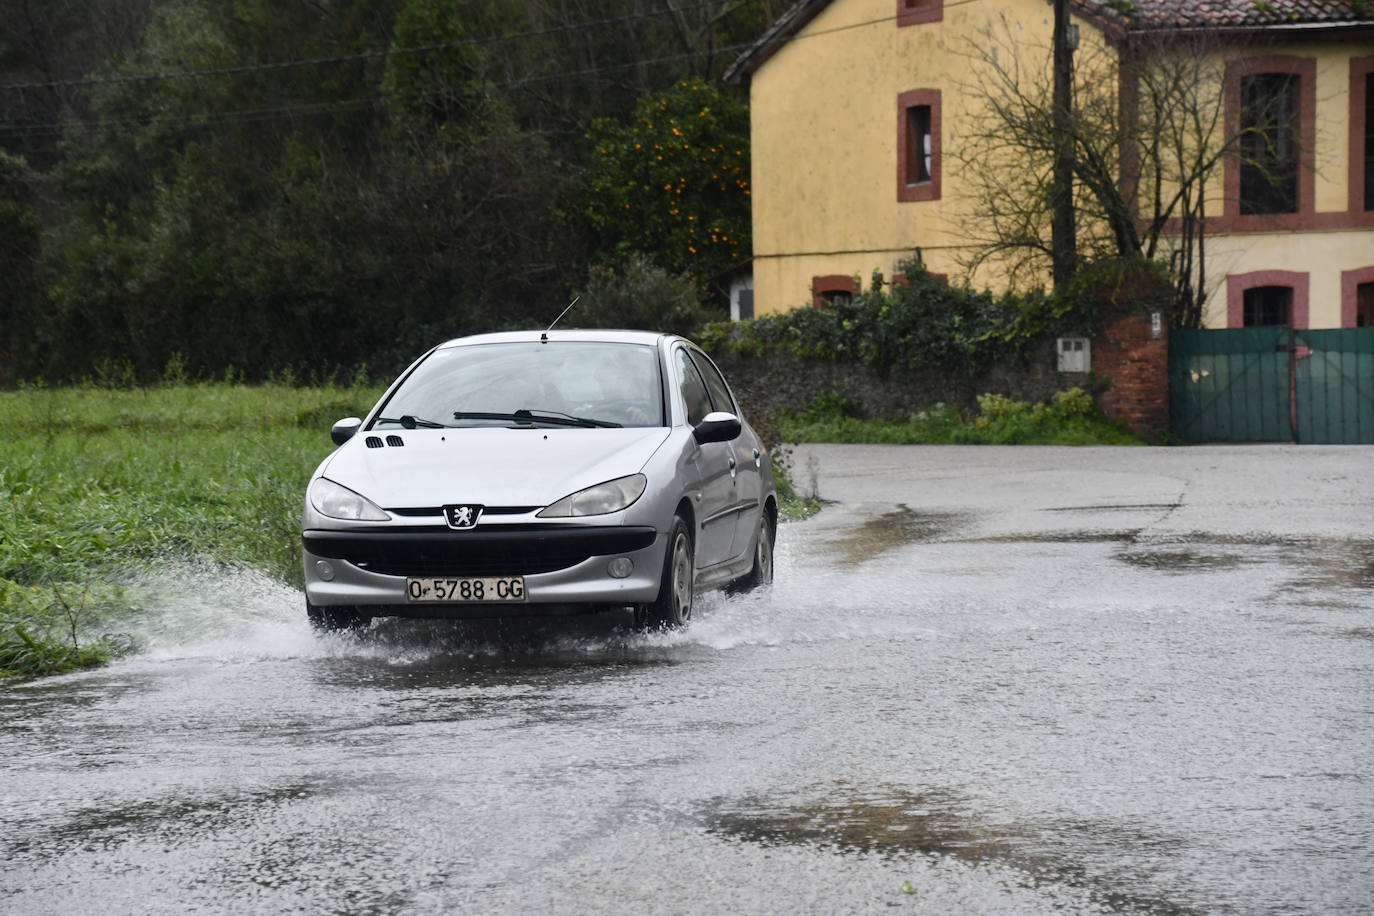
[(1273, 384)]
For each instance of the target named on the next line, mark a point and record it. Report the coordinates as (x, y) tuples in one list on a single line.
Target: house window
[(1268, 297), (918, 145), (1368, 137), (834, 289), (744, 305), (1269, 142), (1271, 114), (913, 12), (1268, 305), (1357, 297), (1362, 139)]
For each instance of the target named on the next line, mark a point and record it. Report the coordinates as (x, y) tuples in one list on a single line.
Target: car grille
[(514, 550), (438, 511)]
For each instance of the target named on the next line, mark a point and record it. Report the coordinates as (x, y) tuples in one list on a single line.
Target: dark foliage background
[(301, 186)]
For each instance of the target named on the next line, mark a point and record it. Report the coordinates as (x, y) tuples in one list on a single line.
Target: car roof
[(595, 335)]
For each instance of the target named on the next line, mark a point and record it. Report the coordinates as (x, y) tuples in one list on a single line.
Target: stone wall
[(781, 383), (1130, 380)]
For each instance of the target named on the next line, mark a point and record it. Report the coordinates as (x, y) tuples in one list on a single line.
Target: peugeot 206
[(540, 473)]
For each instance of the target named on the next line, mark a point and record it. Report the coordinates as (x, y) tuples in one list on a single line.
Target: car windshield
[(559, 383)]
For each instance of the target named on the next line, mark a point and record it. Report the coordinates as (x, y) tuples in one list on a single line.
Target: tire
[(672, 609), (332, 619), (761, 575)]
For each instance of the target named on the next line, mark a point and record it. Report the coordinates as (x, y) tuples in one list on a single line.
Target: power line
[(33, 131), (362, 55), (321, 107)]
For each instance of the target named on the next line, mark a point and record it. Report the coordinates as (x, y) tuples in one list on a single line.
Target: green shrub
[(672, 181), (921, 324), (833, 405), (1075, 402), (1070, 418), (640, 296), (997, 407)]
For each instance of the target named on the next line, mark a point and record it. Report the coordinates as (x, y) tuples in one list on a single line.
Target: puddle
[(900, 824), (1321, 562), (894, 824), (893, 530), (1184, 561), (111, 827), (1350, 568)]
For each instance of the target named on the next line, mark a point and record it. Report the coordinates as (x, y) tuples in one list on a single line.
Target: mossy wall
[(779, 382)]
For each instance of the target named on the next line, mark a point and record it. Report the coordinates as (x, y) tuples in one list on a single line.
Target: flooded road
[(986, 681)]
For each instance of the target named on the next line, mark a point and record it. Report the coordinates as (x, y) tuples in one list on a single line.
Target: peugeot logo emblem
[(462, 517)]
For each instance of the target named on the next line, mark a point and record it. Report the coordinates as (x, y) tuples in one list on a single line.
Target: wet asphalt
[(988, 680)]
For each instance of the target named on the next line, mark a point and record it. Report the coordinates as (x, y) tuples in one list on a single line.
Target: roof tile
[(1127, 14), (1232, 13)]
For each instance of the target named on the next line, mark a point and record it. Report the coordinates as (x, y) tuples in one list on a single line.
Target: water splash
[(224, 614), (206, 610)]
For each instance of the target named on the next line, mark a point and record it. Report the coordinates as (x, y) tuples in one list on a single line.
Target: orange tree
[(672, 183)]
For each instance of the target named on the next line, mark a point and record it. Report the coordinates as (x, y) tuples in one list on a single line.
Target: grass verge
[(1070, 418), (96, 483)]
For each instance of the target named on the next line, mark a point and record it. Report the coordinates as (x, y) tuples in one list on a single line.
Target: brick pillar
[(1135, 364)]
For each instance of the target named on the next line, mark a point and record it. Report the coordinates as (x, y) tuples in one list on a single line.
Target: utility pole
[(1063, 232)]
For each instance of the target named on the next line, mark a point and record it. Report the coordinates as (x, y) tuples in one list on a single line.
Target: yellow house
[(863, 112)]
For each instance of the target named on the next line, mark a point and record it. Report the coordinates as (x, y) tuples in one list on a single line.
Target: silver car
[(534, 473)]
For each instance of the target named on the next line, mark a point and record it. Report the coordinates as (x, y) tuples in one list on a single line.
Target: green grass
[(792, 505), (95, 484), (1069, 419)]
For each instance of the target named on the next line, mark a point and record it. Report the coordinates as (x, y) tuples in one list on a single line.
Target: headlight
[(340, 502), (611, 496)]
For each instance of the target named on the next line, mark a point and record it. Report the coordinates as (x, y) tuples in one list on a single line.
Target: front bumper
[(562, 564)]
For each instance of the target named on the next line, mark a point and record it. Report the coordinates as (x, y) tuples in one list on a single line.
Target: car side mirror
[(718, 426), (342, 431)]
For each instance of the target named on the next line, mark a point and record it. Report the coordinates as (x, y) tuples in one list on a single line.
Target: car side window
[(693, 389), (715, 383)]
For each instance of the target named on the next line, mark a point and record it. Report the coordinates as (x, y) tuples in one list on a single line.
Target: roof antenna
[(544, 337)]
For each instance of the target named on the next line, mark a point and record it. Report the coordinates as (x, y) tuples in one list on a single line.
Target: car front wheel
[(673, 607)]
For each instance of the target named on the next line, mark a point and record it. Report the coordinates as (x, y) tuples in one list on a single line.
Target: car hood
[(490, 466)]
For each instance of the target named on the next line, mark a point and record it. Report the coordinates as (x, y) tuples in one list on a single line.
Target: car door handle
[(733, 470), (758, 458)]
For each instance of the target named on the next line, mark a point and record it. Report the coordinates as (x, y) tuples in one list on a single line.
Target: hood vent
[(374, 442), (395, 441)]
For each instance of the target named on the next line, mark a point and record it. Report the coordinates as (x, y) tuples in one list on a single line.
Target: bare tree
[(1148, 133)]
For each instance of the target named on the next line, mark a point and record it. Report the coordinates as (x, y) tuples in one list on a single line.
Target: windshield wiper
[(525, 415), (410, 422)]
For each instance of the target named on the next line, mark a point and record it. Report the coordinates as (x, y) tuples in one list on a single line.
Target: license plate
[(466, 590)]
